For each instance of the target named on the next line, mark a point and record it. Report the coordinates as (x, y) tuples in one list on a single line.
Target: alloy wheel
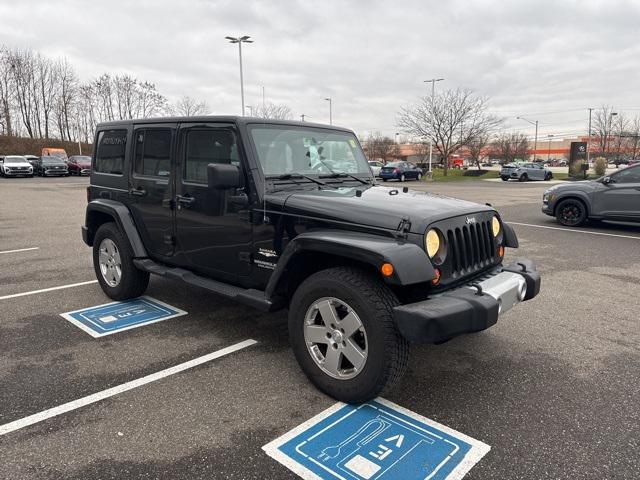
[(336, 338), (571, 213), (110, 262)]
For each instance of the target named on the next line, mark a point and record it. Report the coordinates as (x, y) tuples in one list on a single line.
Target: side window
[(110, 152), (206, 146), (153, 152), (628, 175)]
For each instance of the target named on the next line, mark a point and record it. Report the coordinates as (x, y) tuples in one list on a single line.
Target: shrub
[(600, 166)]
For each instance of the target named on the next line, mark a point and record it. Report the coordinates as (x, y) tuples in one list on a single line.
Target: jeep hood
[(377, 206)]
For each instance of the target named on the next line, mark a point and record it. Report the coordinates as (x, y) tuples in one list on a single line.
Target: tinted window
[(628, 175), (208, 146), (153, 153), (110, 153)]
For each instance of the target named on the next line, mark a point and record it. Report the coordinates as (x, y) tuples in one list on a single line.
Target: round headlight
[(495, 226), (432, 243)]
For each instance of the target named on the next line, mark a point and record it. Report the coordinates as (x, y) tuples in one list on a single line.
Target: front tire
[(419, 177), (523, 178), (505, 179), (113, 264), (342, 333), (548, 176), (571, 213), (384, 179)]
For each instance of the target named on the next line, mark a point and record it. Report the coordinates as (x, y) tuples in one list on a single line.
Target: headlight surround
[(496, 227), (435, 246)]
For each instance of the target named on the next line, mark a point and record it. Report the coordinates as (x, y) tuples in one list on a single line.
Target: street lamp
[(433, 91), (302, 117), (328, 99), (397, 134), (535, 142), (549, 147), (240, 41)]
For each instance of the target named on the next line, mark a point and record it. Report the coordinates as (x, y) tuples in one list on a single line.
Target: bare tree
[(510, 146), (188, 107), (620, 125), (603, 126), (450, 119), (7, 90), (477, 145), (380, 147), (274, 111), (633, 138)]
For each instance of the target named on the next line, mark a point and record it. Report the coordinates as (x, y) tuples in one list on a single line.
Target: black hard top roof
[(219, 118)]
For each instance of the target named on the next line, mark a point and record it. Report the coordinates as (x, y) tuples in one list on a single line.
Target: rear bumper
[(471, 308)]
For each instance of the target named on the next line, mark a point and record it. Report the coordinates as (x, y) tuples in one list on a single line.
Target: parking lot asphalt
[(553, 388)]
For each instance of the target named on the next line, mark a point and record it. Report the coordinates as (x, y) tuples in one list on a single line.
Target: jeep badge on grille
[(470, 220)]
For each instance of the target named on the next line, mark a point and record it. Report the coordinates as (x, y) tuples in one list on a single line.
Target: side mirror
[(606, 180), (223, 176)]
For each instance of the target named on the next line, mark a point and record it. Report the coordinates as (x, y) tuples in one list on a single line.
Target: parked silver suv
[(525, 171)]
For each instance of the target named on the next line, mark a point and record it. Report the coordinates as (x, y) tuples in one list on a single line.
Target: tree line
[(42, 98)]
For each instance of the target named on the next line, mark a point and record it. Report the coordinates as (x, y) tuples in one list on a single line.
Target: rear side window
[(110, 152), (153, 153), (208, 146), (628, 175)]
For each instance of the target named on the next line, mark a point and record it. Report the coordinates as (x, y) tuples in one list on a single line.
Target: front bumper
[(55, 171), (18, 173), (471, 308)]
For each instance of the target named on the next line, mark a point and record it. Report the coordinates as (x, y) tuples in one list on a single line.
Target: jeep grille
[(471, 247)]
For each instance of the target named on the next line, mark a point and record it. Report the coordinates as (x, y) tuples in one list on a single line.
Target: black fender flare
[(122, 216), (410, 262), (510, 237)]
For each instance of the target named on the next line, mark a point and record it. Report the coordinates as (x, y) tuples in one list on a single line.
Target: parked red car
[(79, 165)]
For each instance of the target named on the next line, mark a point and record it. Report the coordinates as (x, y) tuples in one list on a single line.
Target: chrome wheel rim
[(110, 263), (336, 338)]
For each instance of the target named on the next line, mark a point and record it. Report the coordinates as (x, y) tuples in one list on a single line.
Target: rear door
[(213, 232), (621, 198), (151, 191)]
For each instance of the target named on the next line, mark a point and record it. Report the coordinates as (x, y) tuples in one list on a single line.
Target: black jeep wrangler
[(279, 215)]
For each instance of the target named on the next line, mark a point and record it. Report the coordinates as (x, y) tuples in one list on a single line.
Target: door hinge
[(244, 257), (169, 240)]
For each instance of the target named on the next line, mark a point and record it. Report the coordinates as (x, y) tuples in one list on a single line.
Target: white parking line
[(110, 392), (20, 250), (575, 230), (51, 289)]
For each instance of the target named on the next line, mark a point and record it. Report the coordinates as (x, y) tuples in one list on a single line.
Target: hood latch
[(403, 227)]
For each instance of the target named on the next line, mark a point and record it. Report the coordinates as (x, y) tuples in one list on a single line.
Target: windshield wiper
[(293, 176), (344, 174)]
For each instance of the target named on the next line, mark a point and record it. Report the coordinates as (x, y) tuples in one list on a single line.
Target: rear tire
[(571, 213), (384, 179), (548, 177), (368, 302), (113, 264), (505, 179)]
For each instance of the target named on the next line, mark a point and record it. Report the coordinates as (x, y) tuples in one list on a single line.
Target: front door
[(621, 197), (213, 233), (150, 191)]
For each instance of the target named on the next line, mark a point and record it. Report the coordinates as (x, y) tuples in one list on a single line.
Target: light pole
[(433, 91), (240, 41), (250, 107), (549, 147), (302, 117), (397, 134), (589, 139), (611, 115), (328, 99), (264, 105), (535, 142)]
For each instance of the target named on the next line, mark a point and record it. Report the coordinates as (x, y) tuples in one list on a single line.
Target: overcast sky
[(546, 60)]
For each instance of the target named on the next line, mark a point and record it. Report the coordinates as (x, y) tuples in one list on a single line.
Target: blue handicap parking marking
[(118, 316), (375, 440)]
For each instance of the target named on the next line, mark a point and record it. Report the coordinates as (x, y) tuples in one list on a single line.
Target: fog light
[(436, 279)]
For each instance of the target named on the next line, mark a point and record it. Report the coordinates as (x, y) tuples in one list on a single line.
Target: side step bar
[(248, 296)]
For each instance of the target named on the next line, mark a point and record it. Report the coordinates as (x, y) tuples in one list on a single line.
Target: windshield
[(13, 159), (289, 149), (82, 159), (51, 160), (394, 164)]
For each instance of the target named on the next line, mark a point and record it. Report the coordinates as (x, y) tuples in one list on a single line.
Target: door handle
[(138, 192), (186, 200)]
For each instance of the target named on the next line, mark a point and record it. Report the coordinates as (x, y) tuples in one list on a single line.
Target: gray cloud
[(549, 59)]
